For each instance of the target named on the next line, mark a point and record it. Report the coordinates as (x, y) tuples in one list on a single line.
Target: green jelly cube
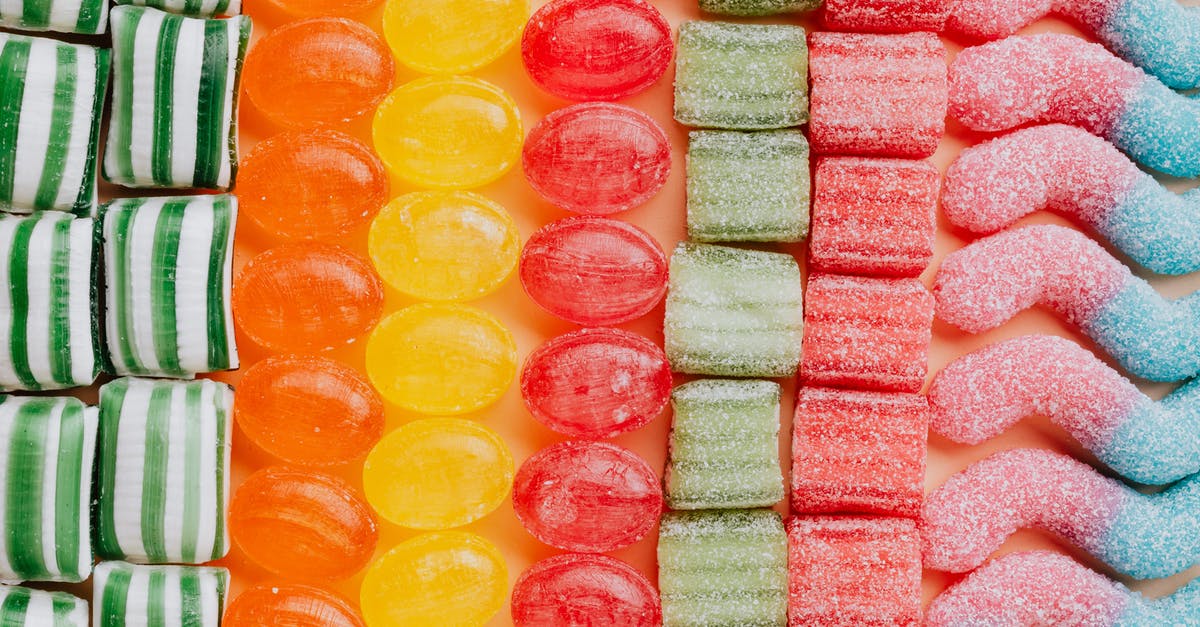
[(751, 8)]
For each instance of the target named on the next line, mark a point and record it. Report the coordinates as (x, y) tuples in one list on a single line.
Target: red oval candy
[(584, 590)]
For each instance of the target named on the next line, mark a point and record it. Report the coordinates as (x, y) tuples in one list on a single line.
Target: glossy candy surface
[(290, 605), (316, 8), (586, 591), (452, 36)]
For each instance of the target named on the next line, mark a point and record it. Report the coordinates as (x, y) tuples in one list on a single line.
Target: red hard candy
[(586, 591)]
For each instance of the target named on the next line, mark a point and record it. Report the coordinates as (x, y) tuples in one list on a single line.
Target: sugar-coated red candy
[(597, 49), (589, 497), (873, 216), (859, 452), (596, 383), (877, 95), (594, 271), (866, 333), (597, 158), (886, 16), (584, 590), (853, 571)]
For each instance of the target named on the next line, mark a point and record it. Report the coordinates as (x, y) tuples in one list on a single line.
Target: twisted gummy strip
[(984, 284), (976, 510), (1045, 588), (980, 395), (1069, 170), (1055, 77)]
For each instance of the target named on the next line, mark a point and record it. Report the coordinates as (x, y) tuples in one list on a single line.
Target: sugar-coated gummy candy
[(853, 571), (315, 184), (596, 383), (309, 410), (444, 246), (741, 76), (859, 452), (873, 216), (321, 8), (597, 49), (723, 567), (866, 333), (887, 16), (307, 297), (319, 71), (452, 36), (716, 290), (724, 445), (587, 497), (749, 187), (87, 17), (585, 590), (448, 132), (290, 603), (301, 523), (438, 473), (191, 7), (133, 595), (755, 8), (26, 607), (597, 158), (440, 578), (594, 271)]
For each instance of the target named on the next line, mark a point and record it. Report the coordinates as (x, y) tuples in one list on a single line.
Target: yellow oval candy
[(452, 36)]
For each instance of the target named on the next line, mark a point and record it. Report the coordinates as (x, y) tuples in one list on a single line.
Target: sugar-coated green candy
[(752, 8), (26, 607)]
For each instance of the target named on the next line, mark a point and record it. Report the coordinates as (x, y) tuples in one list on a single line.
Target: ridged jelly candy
[(586, 591), (309, 410), (757, 8), (438, 473), (441, 359), (590, 497), (888, 16), (597, 49), (597, 158), (318, 8), (275, 605), (306, 297), (452, 36), (444, 245)]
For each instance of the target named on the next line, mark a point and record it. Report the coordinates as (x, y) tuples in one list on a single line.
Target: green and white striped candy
[(129, 595), (167, 267), (162, 480), (47, 447), (26, 607), (48, 334), (195, 8), (88, 17), (51, 96), (174, 113)]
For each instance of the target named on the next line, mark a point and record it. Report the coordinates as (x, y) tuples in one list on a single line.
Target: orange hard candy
[(314, 8), (293, 605)]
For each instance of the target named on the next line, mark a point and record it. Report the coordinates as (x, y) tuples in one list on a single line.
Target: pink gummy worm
[(994, 19), (972, 514)]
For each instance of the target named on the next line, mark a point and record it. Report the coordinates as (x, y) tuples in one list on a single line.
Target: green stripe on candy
[(36, 14), (114, 597), (162, 293), (15, 606), (189, 595), (156, 599), (154, 472), (219, 547), (164, 98), (120, 277), (210, 114), (60, 305), (14, 60), (85, 201), (112, 400), (18, 286), (218, 344), (68, 507), (191, 469), (89, 17), (62, 114), (62, 606), (121, 135), (23, 506)]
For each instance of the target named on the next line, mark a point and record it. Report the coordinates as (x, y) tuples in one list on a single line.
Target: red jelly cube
[(859, 452), (586, 591), (873, 216), (877, 95), (866, 333), (853, 571), (887, 16)]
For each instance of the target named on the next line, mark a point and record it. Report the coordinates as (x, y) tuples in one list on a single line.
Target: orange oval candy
[(315, 8), (290, 604)]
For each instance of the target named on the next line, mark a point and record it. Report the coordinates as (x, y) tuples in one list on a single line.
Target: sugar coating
[(1156, 536), (866, 333), (752, 8), (859, 452), (846, 571), (873, 216), (1152, 337), (886, 16), (877, 95)]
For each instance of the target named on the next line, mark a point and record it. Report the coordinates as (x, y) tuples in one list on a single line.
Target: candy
[(318, 71), (129, 595), (46, 487), (456, 359), (989, 281), (204, 8), (594, 271), (53, 97), (853, 571), (1144, 536), (723, 567), (26, 607), (754, 8), (733, 312), (1061, 78), (444, 245), (724, 445), (877, 95), (295, 604), (597, 158), (589, 497), (309, 410), (452, 36), (866, 333), (584, 590), (303, 297), (162, 472), (747, 186), (1067, 169), (596, 383), (438, 473), (444, 578), (88, 17), (859, 452), (887, 16), (316, 8), (741, 76), (48, 327), (448, 132), (873, 216)]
